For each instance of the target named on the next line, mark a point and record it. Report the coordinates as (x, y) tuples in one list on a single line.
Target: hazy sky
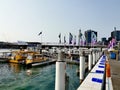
[(24, 19)]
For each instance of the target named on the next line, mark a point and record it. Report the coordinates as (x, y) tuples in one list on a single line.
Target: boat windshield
[(29, 57)]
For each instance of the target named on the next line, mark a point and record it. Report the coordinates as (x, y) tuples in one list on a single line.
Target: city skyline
[(23, 20)]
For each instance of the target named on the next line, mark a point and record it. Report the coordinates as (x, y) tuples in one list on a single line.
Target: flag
[(84, 40), (40, 33), (81, 42), (64, 39), (93, 38), (59, 38), (75, 40), (70, 38), (79, 37), (112, 43), (80, 34)]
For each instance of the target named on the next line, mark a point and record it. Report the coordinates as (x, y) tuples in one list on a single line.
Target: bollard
[(71, 58), (94, 57), (69, 54), (82, 66), (98, 54), (60, 72), (90, 61)]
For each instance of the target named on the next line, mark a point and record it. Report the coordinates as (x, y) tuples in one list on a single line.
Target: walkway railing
[(96, 78)]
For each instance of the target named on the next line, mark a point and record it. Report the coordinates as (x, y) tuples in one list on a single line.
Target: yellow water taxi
[(35, 58), (19, 56), (27, 57)]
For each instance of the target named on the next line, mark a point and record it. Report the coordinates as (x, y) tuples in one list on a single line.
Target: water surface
[(16, 77)]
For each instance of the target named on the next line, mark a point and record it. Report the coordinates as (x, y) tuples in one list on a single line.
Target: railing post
[(82, 66), (90, 61), (60, 72), (94, 57)]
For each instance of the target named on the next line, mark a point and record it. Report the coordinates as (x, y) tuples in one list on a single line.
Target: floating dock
[(44, 63)]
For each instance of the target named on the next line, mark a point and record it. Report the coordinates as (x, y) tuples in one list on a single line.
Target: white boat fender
[(29, 72)]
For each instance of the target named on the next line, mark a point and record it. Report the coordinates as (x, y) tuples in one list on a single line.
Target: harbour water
[(16, 77)]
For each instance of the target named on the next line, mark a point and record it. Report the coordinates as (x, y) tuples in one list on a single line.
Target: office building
[(116, 34), (90, 35)]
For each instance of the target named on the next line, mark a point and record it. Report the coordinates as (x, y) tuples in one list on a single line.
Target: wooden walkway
[(115, 74)]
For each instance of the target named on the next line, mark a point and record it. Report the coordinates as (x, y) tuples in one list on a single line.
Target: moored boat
[(19, 56), (35, 58)]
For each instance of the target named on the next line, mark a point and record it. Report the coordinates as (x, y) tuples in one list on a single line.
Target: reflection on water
[(16, 77), (15, 67)]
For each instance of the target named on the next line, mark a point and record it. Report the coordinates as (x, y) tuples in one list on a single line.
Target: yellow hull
[(13, 61), (16, 61), (38, 60)]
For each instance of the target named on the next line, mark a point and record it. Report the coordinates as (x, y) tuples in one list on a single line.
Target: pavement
[(115, 74)]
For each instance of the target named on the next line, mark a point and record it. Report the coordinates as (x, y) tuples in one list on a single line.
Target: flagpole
[(41, 35), (73, 42), (64, 41), (41, 38), (59, 36), (115, 33), (41, 41)]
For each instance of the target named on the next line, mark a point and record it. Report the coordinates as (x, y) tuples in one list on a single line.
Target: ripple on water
[(42, 78)]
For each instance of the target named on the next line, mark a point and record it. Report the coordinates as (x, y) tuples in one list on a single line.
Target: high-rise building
[(89, 36), (104, 41), (116, 34)]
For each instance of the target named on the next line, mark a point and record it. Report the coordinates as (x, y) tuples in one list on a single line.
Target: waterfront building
[(34, 46), (15, 45), (104, 41), (88, 36), (116, 34)]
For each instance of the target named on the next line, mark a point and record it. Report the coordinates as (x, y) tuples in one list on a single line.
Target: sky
[(22, 20)]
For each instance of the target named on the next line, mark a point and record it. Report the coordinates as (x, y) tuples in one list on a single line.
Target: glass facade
[(88, 35), (116, 35), (103, 39)]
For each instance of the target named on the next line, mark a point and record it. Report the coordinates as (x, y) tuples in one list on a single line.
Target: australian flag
[(39, 33)]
